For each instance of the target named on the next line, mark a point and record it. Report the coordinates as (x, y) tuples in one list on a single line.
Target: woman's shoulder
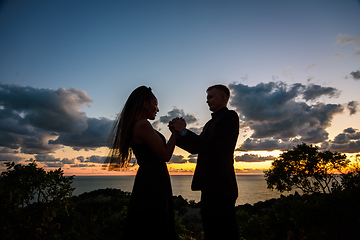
[(142, 123)]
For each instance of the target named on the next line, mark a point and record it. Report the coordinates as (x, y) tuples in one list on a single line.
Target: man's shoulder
[(231, 113)]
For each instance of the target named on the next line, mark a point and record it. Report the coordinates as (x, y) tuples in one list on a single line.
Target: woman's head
[(137, 101), (141, 103)]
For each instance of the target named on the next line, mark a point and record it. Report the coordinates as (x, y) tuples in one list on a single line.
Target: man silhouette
[(214, 174)]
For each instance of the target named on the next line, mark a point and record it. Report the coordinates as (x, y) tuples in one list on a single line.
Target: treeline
[(36, 204), (101, 214)]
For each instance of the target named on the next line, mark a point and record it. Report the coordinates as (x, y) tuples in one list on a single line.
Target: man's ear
[(146, 104), (225, 98)]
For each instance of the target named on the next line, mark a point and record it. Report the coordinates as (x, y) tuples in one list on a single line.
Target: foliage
[(22, 185), (318, 216), (351, 179), (101, 214), (308, 169), (33, 202)]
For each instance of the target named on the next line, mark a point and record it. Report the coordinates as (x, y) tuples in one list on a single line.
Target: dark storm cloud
[(314, 91), (68, 161), (8, 157), (189, 118), (7, 150), (96, 135), (281, 115), (38, 144), (41, 121), (177, 159), (351, 147), (51, 161), (350, 130), (192, 158), (356, 75), (47, 109), (46, 158), (95, 159), (253, 158), (347, 142), (267, 145), (353, 107), (347, 135)]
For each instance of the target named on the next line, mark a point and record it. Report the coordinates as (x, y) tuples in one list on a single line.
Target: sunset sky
[(67, 68)]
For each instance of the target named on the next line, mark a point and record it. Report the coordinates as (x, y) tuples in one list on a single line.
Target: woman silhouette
[(151, 212)]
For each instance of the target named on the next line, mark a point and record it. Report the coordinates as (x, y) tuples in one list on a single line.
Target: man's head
[(217, 97)]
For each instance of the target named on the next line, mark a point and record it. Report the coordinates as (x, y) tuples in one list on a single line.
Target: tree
[(22, 185), (306, 168), (351, 179), (33, 203)]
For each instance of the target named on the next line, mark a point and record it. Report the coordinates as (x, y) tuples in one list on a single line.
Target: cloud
[(47, 109), (155, 125), (353, 107), (347, 135), (192, 158), (253, 158), (41, 121), (7, 150), (313, 65), (250, 171), (81, 158), (346, 39), (189, 118), (281, 115), (346, 142), (46, 158), (82, 165), (355, 75), (95, 159), (68, 161), (196, 130), (313, 91), (339, 55), (267, 144), (96, 135), (8, 157), (177, 159)]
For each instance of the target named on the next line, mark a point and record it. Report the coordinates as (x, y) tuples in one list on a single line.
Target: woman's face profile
[(151, 108)]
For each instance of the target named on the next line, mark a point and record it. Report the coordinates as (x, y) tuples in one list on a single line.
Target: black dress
[(151, 210)]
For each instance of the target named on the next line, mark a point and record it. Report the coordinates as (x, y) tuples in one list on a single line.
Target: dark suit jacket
[(214, 173)]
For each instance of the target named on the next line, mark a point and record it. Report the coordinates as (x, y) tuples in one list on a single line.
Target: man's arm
[(223, 136), (188, 142)]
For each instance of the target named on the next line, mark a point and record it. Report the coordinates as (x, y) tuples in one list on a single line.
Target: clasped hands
[(176, 125)]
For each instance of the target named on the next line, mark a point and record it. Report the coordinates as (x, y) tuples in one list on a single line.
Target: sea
[(252, 188)]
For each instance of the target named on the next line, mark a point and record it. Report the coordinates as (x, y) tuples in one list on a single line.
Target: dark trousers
[(218, 217)]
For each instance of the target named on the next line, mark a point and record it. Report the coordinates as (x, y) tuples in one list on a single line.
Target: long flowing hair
[(121, 136)]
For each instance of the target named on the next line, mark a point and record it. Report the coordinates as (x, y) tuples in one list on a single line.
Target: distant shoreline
[(129, 175)]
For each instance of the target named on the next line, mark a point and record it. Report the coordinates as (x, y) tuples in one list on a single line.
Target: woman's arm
[(144, 132)]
